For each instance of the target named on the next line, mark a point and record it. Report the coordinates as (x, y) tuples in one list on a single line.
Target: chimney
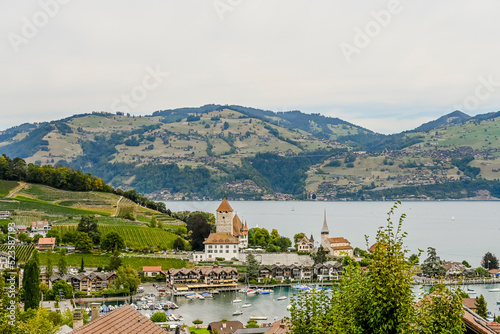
[(77, 318), (223, 325), (95, 310)]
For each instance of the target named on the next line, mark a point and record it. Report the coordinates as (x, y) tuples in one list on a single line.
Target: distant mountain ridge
[(248, 153)]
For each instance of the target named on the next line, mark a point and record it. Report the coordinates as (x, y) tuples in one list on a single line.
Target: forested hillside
[(247, 153)]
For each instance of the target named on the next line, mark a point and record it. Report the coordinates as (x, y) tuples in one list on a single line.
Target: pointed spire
[(325, 230), (312, 238)]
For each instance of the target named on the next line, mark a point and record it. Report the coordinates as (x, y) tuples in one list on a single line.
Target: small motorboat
[(258, 318), (237, 300), (246, 305), (238, 312), (282, 298), (494, 290), (207, 295)]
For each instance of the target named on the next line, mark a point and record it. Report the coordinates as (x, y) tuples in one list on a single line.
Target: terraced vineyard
[(135, 236), (23, 253)]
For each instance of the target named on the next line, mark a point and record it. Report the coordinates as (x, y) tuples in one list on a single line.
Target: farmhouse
[(152, 271), (39, 227), (45, 244)]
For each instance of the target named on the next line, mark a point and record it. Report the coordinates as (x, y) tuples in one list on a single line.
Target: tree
[(53, 234), (159, 317), (115, 261), (370, 302), (200, 229), (83, 242), (153, 221), (283, 243), (436, 304), (481, 307), (432, 266), (179, 244), (127, 278), (197, 322), (489, 261), (49, 269), (62, 265), (466, 264), (252, 324), (298, 236), (23, 237), (82, 267), (37, 237), (88, 224), (112, 241), (252, 267), (320, 256), (31, 283), (413, 259), (69, 237)]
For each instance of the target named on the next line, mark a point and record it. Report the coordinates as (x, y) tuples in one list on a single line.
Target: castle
[(229, 238), (337, 247)]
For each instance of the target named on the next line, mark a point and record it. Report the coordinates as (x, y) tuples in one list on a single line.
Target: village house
[(153, 271), (225, 327), (45, 244), (221, 245), (87, 282), (328, 271), (202, 278), (305, 245), (4, 260), (40, 227), (453, 268), (5, 215)]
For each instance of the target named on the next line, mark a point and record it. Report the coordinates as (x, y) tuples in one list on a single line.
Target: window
[(227, 251), (227, 246)]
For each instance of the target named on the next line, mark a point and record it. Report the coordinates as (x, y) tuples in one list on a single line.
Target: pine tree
[(31, 283), (49, 269), (62, 266), (481, 307), (82, 267)]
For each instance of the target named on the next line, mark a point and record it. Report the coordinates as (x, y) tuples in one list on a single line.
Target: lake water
[(459, 230), (221, 306)]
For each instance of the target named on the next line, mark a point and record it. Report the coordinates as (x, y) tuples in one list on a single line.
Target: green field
[(96, 260), (135, 236), (6, 187), (23, 253), (28, 204)]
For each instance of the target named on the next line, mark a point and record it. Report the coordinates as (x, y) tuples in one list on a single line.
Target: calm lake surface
[(459, 230)]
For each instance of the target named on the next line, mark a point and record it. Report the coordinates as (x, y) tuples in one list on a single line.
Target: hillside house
[(45, 244), (40, 227), (153, 271), (5, 215)]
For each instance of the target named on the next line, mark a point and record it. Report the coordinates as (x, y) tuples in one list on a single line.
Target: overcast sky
[(385, 65)]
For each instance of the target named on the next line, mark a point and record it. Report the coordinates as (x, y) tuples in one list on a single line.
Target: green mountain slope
[(247, 153)]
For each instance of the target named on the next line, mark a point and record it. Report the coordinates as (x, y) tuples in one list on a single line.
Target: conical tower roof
[(325, 230), (224, 207)]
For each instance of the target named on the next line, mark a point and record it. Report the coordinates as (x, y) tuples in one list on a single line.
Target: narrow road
[(117, 207), (17, 189)]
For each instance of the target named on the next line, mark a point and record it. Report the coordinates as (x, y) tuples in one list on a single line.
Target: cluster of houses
[(322, 271), (202, 278), (86, 282)]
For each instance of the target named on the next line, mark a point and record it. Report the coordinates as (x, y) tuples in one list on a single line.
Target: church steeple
[(325, 230)]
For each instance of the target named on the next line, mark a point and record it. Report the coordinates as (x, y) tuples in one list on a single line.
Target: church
[(337, 247), (230, 236)]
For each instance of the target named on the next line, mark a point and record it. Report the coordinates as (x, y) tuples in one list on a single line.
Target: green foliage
[(23, 253), (159, 317), (83, 242), (128, 278), (179, 244), (88, 224), (62, 266), (466, 264), (112, 241), (197, 322), (152, 223), (252, 324), (199, 228), (489, 261), (298, 236), (379, 301), (115, 261), (320, 256), (252, 267), (432, 266), (49, 268), (481, 307), (31, 284)]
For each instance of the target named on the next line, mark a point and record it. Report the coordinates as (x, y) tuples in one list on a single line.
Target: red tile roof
[(469, 302), (279, 327), (237, 226), (123, 320), (338, 240), (224, 206), (225, 327), (158, 268), (47, 241), (221, 238)]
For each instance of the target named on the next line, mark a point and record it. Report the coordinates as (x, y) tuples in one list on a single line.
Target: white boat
[(246, 305), (282, 298), (251, 292), (494, 290), (237, 300), (238, 312), (289, 307), (198, 296), (258, 318)]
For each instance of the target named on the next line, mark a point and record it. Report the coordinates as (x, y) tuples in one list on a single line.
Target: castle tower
[(325, 234), (224, 218)]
